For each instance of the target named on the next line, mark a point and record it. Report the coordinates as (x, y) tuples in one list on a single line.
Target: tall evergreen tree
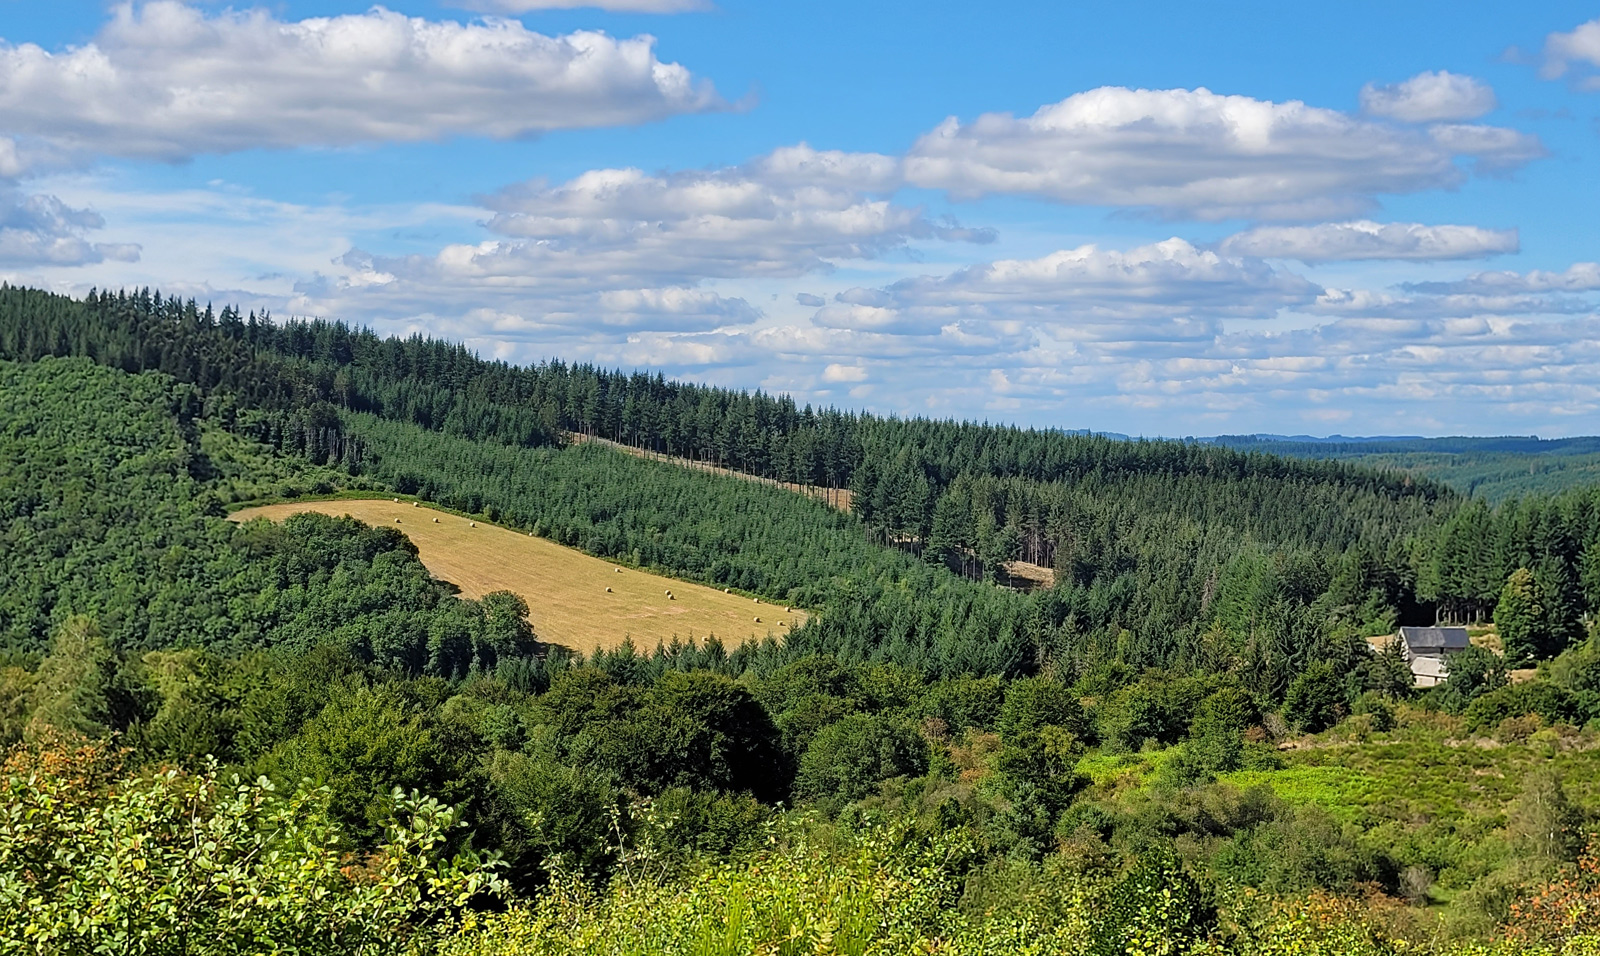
[(1519, 618)]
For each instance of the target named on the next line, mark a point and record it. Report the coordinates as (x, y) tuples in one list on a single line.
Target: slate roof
[(1434, 640)]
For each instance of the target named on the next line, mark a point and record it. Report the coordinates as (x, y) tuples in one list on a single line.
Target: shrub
[(1566, 910), (1473, 673), (548, 815), (170, 863), (964, 702), (1316, 699), (1376, 709), (1216, 737), (1151, 710), (1157, 908), (709, 732), (362, 745), (1547, 700), (850, 758), (1045, 761), (1032, 703), (1578, 668)]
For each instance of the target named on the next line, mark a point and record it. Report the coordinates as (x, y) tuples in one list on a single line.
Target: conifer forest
[(1055, 693)]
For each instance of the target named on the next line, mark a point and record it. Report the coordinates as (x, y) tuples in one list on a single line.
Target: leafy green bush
[(885, 891), (1473, 673), (1547, 700), (1316, 698), (708, 731), (1045, 762), (1216, 737), (93, 861), (1155, 709), (850, 758), (1377, 709), (1158, 907), (368, 741), (1033, 703)]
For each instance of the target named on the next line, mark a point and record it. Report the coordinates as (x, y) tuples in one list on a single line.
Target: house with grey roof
[(1427, 650)]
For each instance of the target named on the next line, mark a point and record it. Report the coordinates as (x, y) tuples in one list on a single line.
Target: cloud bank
[(167, 81), (626, 247), (1579, 277), (1197, 154), (1365, 239), (39, 230), (1084, 292)]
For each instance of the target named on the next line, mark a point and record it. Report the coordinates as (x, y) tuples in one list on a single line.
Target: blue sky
[(1153, 218)]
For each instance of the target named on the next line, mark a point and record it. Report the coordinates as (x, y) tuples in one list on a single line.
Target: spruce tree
[(1520, 618)]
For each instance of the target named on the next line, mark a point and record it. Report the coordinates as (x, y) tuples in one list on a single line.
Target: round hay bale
[(397, 501), (416, 504), (671, 597), (608, 590), (727, 590), (474, 524), (397, 521), (619, 570), (436, 521), (758, 620)]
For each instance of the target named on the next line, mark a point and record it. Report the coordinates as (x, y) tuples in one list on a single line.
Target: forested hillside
[(1185, 740), (1154, 543), (1144, 535), (112, 489), (1493, 469)]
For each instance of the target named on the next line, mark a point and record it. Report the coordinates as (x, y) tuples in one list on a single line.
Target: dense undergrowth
[(95, 858)]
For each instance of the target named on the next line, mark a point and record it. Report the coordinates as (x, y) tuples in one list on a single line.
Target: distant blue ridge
[(1332, 446)]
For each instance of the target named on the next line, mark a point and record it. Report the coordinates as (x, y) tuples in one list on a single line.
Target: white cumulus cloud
[(786, 214), (1580, 46), (1501, 293), (632, 248), (844, 373), (165, 80), (1194, 153), (1365, 239), (1429, 98), (497, 280)]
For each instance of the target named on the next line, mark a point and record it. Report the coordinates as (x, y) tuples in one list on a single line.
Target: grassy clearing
[(1426, 776), (1344, 793), (565, 589), (1426, 771)]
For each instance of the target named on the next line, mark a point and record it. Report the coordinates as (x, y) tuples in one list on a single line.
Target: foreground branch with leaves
[(168, 862)]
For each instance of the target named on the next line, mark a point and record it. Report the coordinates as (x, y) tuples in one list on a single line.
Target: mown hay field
[(565, 589)]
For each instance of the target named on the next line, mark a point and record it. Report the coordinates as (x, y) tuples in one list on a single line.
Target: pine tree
[(1562, 600), (1520, 618)]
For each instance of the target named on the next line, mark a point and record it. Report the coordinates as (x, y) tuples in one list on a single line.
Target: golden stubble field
[(565, 589)]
